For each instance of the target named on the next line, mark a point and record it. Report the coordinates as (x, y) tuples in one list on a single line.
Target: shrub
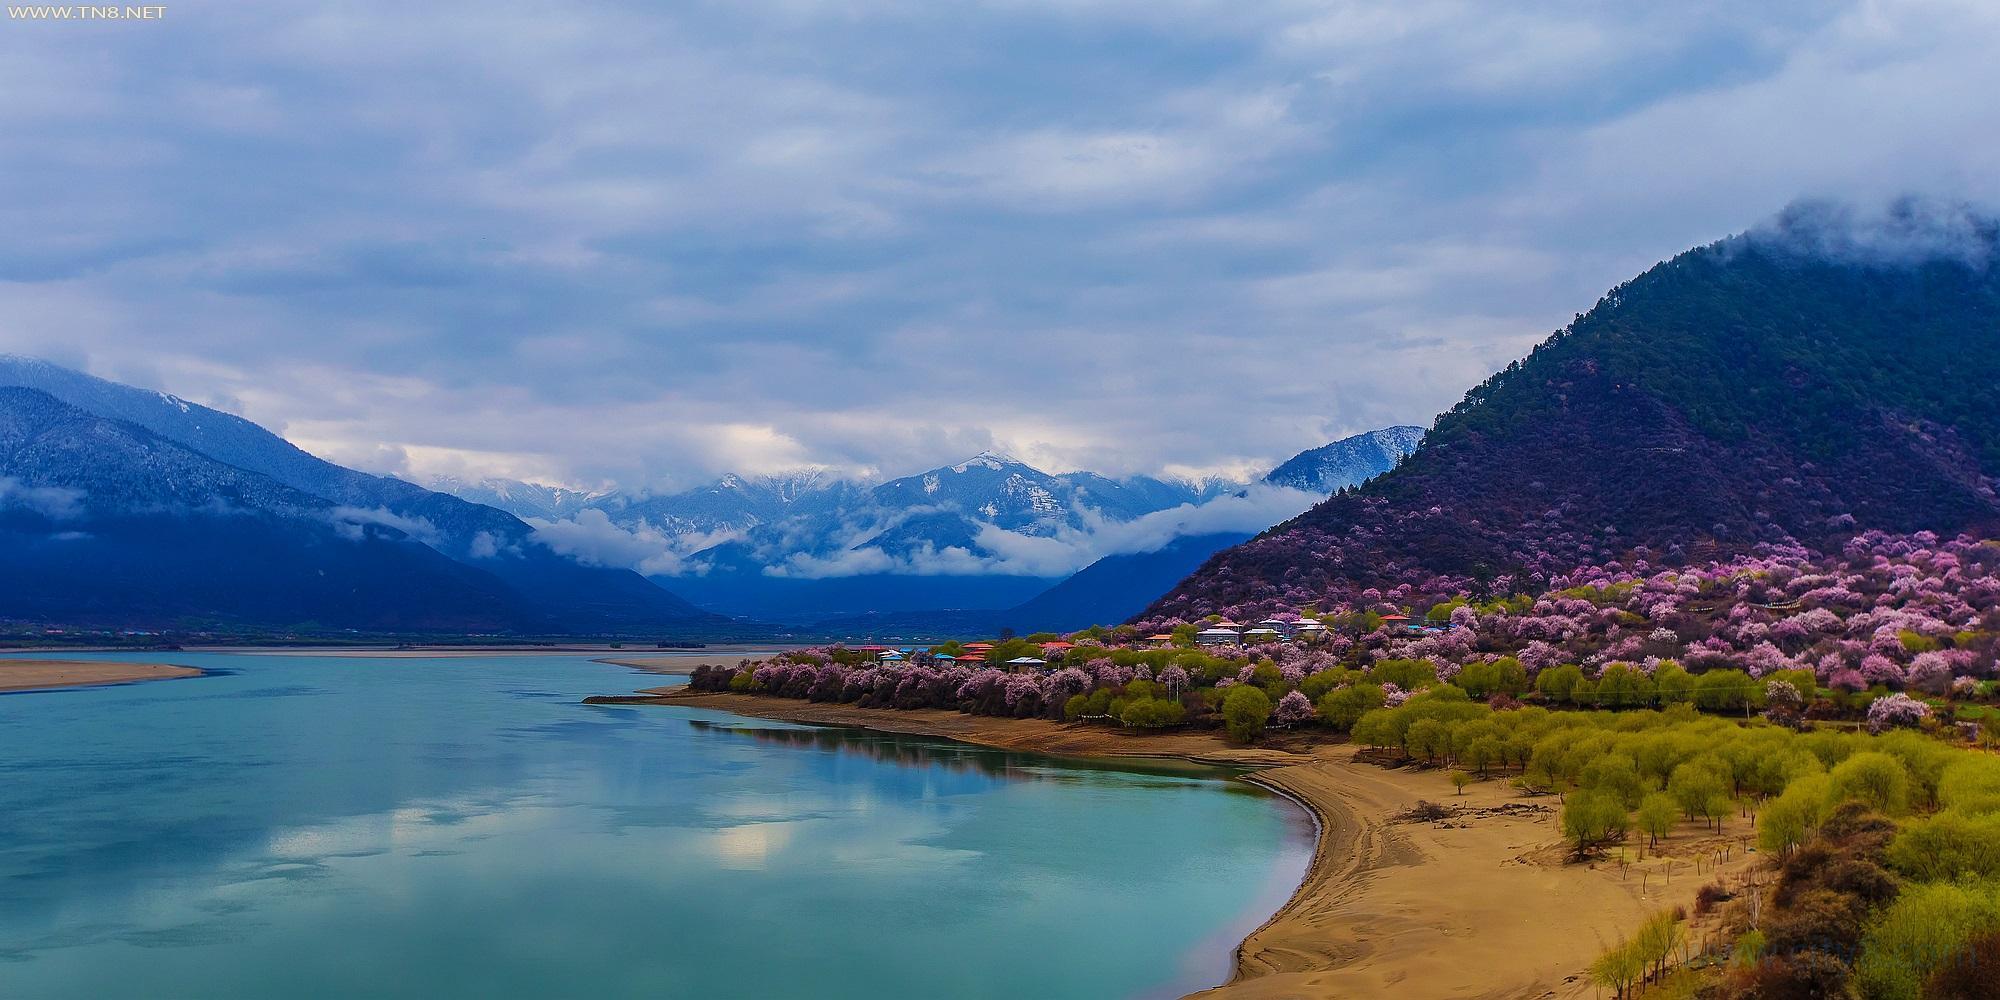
[(1818, 920), (1920, 935), (1947, 846), (1971, 974)]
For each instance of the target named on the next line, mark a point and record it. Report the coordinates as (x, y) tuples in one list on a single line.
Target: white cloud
[(649, 244), (593, 539), (54, 502)]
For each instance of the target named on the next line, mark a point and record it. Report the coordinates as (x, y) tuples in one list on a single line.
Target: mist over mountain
[(979, 535), (1823, 374), (983, 534)]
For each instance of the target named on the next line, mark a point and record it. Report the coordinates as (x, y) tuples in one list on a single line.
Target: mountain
[(811, 546), (523, 500), (1347, 462), (103, 522), (734, 503), (566, 595), (1795, 384), (1111, 589), (1115, 588)]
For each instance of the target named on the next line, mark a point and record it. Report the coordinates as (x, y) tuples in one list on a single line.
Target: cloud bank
[(644, 244)]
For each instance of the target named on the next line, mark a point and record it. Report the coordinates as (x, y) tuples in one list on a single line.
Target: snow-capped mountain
[(518, 498), (1349, 461), (735, 503), (965, 535)]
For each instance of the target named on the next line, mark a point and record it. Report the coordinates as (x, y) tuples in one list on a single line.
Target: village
[(1214, 632)]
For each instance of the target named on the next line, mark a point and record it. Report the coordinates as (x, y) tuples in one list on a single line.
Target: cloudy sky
[(646, 243)]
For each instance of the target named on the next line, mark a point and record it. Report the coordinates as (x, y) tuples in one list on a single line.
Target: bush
[(1948, 846), (1920, 935), (1801, 976), (1820, 921), (1972, 974)]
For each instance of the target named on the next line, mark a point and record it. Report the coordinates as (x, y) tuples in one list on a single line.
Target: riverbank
[(40, 675), (1480, 904)]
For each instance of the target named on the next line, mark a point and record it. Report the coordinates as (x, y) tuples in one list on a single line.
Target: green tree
[(1621, 685), (1697, 784), (1657, 813), (1791, 820), (1673, 684), (1245, 710), (1875, 778), (1341, 708), (1558, 683), (1591, 818)]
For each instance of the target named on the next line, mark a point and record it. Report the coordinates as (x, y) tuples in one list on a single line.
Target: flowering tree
[(1896, 710), (1294, 708)]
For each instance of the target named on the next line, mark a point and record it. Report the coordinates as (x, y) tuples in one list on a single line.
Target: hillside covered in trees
[(1797, 384)]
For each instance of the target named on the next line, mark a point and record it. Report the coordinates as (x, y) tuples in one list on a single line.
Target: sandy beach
[(644, 659), (1483, 904), (36, 675)]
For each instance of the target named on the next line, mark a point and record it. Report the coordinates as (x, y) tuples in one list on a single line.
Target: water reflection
[(319, 827)]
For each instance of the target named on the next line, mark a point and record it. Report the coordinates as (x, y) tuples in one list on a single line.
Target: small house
[(1218, 636), (1027, 663), (1283, 626), (1260, 635)]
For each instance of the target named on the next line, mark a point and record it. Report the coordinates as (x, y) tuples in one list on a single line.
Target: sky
[(644, 244)]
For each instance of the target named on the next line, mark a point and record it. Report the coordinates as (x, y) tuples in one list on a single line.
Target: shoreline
[(18, 676), (1383, 900)]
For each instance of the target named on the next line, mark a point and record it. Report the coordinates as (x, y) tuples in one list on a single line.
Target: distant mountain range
[(518, 498), (123, 506), (128, 507), (1793, 385), (811, 546)]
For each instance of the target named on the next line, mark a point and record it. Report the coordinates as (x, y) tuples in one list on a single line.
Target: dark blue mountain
[(105, 523), (569, 597), (1115, 588)]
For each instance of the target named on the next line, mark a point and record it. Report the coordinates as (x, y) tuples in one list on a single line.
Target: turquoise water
[(307, 826)]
